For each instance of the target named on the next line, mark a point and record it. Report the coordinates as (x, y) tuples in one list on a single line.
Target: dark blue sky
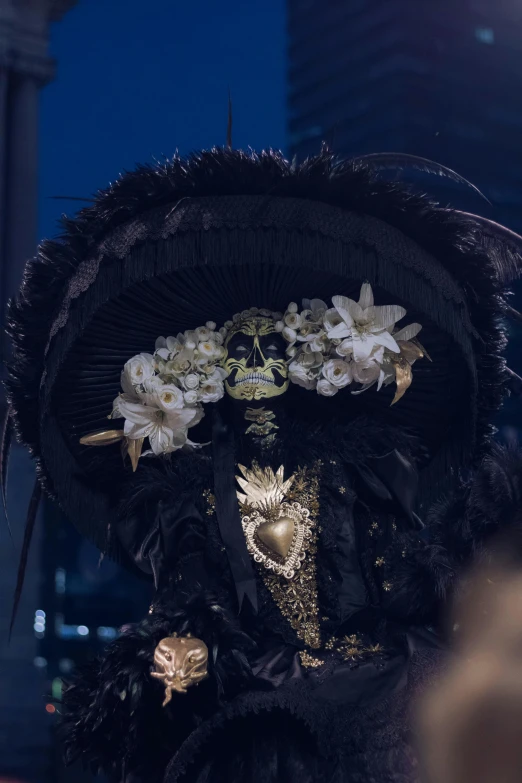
[(138, 79)]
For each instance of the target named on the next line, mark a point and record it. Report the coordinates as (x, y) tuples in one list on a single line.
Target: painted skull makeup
[(255, 361)]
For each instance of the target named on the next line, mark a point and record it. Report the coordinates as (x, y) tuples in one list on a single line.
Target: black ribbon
[(227, 512)]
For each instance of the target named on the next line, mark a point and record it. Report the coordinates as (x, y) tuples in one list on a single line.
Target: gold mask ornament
[(180, 661), (255, 360)]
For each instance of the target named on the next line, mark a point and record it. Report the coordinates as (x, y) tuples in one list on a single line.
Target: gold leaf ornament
[(130, 447), (410, 351), (102, 438)]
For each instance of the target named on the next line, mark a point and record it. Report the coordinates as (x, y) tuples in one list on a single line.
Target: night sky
[(138, 79)]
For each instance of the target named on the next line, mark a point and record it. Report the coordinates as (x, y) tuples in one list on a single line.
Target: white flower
[(191, 397), (151, 387), (139, 369), (301, 376), (292, 308), (290, 335), (166, 430), (211, 391), (316, 308), (293, 320), (211, 325), (345, 348), (325, 388), (163, 353), (228, 325), (169, 397), (366, 324), (173, 344), (367, 372), (332, 319), (291, 351), (127, 385), (338, 372), (181, 364), (191, 381), (317, 342), (217, 338), (202, 334), (208, 350), (279, 326), (160, 343), (218, 374), (310, 359)]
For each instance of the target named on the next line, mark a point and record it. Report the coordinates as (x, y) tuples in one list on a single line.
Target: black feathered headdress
[(171, 246)]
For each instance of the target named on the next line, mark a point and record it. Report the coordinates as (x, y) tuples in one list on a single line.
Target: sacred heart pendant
[(280, 541)]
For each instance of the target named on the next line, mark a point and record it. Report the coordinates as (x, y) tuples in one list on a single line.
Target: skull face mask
[(255, 361)]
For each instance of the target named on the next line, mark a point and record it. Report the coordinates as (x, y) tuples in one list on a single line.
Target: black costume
[(312, 678)]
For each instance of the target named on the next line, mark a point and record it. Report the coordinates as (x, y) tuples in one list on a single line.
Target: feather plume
[(401, 160)]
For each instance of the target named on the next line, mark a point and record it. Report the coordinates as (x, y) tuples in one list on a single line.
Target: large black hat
[(169, 247)]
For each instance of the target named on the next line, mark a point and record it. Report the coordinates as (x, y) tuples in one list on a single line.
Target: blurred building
[(25, 67), (437, 78)]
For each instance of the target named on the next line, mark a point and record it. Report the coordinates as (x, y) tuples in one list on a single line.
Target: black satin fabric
[(346, 571), (390, 482), (161, 543), (228, 517), (344, 683)]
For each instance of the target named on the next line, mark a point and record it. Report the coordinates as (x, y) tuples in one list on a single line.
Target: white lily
[(166, 430), (365, 324)]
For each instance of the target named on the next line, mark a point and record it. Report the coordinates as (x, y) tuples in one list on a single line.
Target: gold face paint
[(255, 360)]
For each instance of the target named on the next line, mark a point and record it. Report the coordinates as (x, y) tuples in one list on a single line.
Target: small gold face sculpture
[(180, 661), (255, 360)]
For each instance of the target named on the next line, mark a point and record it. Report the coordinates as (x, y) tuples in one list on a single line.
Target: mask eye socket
[(239, 351)]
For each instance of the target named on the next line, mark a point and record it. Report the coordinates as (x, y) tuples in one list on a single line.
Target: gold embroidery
[(352, 648), (280, 527), (211, 501), (380, 562), (309, 662)]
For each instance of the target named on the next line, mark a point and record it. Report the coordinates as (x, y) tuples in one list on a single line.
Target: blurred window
[(485, 35)]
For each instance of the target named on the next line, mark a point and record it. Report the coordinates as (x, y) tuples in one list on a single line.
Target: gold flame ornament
[(179, 662)]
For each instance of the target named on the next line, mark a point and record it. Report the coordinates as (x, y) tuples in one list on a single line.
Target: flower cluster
[(327, 349), (163, 392), (330, 348)]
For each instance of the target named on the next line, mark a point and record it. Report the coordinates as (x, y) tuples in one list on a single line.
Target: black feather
[(401, 160), (32, 513), (462, 528), (112, 714), (5, 448), (507, 262)]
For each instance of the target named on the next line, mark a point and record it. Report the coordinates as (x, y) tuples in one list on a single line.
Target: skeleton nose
[(256, 358)]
